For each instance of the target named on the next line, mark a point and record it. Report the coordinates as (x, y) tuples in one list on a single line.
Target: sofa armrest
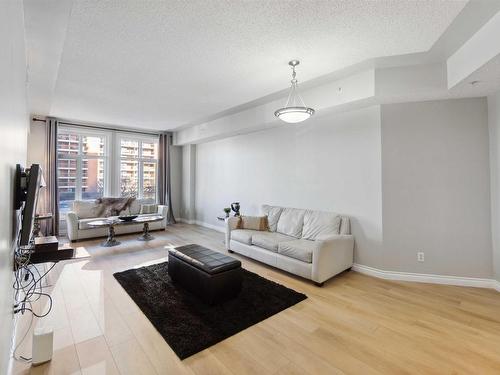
[(163, 211), (331, 256), (231, 224), (72, 225)]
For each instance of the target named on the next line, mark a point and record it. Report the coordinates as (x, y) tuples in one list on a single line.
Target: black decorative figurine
[(235, 206)]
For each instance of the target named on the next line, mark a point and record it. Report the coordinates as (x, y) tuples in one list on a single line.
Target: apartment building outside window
[(138, 168), (82, 164)]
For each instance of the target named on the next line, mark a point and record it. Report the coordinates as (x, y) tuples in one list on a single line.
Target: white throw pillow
[(135, 207)]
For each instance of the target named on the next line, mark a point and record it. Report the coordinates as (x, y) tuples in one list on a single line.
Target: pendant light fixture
[(294, 110)]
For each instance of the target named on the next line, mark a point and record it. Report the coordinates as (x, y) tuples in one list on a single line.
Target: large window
[(92, 164), (138, 166)]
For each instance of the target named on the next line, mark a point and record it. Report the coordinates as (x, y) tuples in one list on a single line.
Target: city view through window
[(85, 170), (138, 161)]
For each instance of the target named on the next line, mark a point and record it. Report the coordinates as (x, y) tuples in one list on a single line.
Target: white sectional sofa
[(84, 211), (312, 244)]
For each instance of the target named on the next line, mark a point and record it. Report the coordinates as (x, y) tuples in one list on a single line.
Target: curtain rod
[(62, 122)]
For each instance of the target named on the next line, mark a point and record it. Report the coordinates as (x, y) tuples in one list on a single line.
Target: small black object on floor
[(186, 323)]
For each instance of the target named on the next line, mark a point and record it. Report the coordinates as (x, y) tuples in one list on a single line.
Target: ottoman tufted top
[(205, 259)]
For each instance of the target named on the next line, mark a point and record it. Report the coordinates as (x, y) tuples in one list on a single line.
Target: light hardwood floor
[(355, 324)]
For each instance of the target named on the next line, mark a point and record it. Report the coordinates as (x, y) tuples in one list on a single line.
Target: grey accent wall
[(14, 127), (494, 130), (436, 188)]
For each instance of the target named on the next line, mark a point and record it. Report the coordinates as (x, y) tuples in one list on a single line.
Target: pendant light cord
[(293, 92)]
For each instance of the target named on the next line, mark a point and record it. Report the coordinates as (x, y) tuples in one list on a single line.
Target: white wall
[(494, 130), (13, 126), (436, 192), (330, 163), (36, 143)]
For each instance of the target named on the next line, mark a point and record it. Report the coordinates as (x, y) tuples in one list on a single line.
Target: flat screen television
[(28, 183)]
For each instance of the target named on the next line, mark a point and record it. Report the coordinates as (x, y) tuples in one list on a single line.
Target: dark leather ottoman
[(212, 276)]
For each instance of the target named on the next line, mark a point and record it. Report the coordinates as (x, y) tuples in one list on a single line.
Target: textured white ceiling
[(163, 64)]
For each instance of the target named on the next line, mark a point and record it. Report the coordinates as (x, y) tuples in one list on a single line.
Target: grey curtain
[(164, 185), (50, 196)]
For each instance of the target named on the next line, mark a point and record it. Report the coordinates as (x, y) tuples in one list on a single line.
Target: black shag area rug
[(186, 323)]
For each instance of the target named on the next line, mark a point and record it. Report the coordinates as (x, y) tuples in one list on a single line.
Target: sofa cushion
[(273, 215), (253, 222), (135, 206), (85, 209), (148, 209), (291, 222), (269, 240), (243, 235), (298, 249), (345, 225), (319, 224)]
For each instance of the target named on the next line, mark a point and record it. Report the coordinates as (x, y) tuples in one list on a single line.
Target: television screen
[(30, 187)]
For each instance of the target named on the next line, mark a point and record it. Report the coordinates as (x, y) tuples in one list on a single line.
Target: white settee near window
[(84, 212)]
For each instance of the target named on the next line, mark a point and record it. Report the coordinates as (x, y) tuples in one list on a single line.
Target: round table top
[(115, 221)]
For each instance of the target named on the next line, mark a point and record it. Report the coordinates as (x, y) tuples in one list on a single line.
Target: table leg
[(110, 241), (145, 233)]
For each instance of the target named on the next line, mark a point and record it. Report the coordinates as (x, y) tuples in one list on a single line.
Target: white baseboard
[(182, 220), (211, 226), (496, 285), (203, 224), (396, 275), (427, 278)]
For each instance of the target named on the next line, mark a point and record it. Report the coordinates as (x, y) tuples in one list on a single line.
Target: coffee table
[(110, 223)]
